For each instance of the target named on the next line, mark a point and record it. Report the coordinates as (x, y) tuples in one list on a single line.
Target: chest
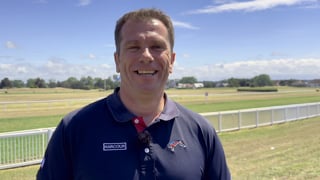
[(117, 153)]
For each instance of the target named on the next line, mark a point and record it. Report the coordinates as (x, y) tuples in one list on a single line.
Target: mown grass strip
[(17, 124)]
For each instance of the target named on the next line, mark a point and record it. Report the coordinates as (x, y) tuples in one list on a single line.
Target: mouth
[(146, 72)]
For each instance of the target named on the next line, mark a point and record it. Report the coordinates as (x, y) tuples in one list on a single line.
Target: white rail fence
[(27, 147)]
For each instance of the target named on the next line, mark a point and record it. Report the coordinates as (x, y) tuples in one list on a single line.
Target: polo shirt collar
[(121, 114)]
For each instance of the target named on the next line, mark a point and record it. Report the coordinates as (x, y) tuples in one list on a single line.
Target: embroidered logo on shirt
[(173, 144), (114, 146)]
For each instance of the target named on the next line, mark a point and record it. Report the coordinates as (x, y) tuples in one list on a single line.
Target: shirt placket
[(147, 167)]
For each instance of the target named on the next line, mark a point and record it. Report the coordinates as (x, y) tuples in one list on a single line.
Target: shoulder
[(85, 112), (191, 116), (195, 122)]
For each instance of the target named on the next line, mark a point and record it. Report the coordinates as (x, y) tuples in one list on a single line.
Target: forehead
[(133, 28)]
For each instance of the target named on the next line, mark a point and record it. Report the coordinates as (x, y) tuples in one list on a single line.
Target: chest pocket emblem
[(173, 144)]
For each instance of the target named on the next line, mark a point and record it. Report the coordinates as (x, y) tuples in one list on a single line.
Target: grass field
[(283, 151), (33, 108)]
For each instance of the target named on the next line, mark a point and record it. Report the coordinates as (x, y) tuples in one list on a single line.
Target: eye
[(157, 48), (133, 48)]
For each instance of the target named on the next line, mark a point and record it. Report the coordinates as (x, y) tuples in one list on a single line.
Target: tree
[(109, 84), (233, 82), (71, 82), (87, 83), (31, 83), (188, 80), (40, 83), (262, 80), (52, 83), (209, 84), (18, 83), (245, 82), (5, 83), (99, 83)]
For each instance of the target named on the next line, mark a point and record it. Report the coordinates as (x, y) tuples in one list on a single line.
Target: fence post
[(50, 132), (219, 122), (272, 116), (239, 120), (257, 118), (285, 114)]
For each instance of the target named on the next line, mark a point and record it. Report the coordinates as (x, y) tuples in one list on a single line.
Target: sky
[(214, 39)]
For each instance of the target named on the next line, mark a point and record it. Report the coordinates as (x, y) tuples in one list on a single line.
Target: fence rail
[(23, 148), (27, 147)]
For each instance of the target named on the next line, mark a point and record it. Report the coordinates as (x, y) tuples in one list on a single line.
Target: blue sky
[(215, 39)]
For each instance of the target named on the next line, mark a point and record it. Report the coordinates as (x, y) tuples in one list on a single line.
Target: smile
[(145, 73)]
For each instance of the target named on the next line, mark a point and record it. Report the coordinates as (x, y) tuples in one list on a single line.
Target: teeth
[(146, 72)]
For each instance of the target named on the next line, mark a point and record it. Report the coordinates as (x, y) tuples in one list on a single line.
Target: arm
[(217, 167), (56, 162)]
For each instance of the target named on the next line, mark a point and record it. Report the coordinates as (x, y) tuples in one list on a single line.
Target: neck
[(146, 105)]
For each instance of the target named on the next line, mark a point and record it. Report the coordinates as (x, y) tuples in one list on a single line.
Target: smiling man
[(137, 132), (144, 59)]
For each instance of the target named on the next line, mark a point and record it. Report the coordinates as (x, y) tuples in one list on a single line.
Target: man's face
[(145, 59)]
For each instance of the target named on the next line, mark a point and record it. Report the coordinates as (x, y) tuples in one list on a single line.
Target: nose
[(146, 56)]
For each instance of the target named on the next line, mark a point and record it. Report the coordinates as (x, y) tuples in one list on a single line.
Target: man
[(137, 132)]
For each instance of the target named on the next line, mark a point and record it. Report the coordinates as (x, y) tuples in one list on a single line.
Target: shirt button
[(136, 121), (146, 150)]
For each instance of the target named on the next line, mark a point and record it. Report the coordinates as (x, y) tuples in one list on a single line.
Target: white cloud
[(185, 55), (15, 71), (54, 68), (10, 45), (91, 56), (183, 25), (254, 5), (84, 2), (276, 68)]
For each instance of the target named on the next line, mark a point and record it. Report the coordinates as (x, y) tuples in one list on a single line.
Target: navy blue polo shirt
[(103, 141)]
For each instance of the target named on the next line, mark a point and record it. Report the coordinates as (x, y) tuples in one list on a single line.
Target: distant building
[(198, 85), (190, 86), (222, 84)]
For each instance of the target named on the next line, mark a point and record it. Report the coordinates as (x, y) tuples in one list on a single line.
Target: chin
[(153, 89)]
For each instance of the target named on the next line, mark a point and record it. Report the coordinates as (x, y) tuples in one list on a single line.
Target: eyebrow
[(157, 41)]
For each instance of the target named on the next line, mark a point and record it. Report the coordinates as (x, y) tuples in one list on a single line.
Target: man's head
[(144, 56), (144, 15)]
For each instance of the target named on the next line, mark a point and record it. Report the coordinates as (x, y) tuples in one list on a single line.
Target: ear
[(172, 60), (117, 61)]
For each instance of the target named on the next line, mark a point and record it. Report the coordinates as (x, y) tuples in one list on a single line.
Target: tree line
[(114, 81), (72, 83), (257, 81)]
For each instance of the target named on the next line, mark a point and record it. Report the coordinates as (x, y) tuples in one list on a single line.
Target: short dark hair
[(144, 14)]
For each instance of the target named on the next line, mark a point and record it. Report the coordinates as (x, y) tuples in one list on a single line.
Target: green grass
[(258, 89), (23, 173), (285, 151), (252, 103), (16, 124), (16, 116)]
